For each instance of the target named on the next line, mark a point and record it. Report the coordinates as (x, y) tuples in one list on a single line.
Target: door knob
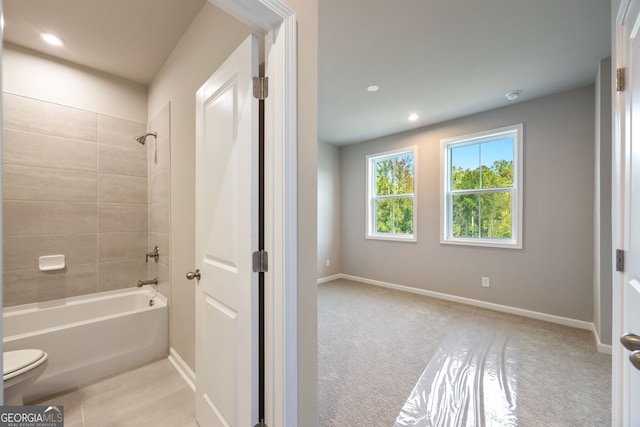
[(196, 275), (630, 341), (635, 359)]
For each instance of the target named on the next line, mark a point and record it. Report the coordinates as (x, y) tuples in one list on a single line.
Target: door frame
[(617, 220), (277, 23), (620, 179)]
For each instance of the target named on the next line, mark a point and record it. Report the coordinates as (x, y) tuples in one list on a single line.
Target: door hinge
[(619, 260), (261, 424), (260, 88), (620, 80), (260, 261)]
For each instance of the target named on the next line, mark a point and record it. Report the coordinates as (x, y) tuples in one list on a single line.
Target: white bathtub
[(89, 337)]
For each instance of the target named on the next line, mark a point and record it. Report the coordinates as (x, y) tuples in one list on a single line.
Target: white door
[(628, 379), (226, 236)]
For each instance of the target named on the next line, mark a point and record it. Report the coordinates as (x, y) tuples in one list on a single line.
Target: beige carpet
[(375, 344)]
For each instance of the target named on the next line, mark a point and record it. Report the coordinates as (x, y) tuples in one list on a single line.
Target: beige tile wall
[(159, 166), (74, 183)]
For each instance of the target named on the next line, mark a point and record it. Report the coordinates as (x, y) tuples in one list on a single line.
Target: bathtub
[(89, 337)]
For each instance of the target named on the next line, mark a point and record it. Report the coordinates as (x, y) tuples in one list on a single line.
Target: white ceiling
[(441, 59), (126, 38)]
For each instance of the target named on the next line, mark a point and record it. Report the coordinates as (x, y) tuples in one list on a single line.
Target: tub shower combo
[(69, 342), (89, 337), (84, 338)]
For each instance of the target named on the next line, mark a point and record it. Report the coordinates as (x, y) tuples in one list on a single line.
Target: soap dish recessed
[(52, 262)]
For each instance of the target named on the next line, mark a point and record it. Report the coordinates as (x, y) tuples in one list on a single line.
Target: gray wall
[(553, 273), (210, 39), (329, 208)]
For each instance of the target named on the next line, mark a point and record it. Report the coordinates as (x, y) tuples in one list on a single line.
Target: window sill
[(393, 237), (486, 243)]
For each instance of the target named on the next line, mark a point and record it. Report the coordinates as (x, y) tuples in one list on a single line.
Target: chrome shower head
[(143, 138)]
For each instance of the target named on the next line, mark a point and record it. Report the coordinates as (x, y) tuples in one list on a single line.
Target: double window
[(391, 201), (481, 200), (482, 196)]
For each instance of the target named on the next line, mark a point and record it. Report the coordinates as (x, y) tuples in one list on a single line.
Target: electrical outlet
[(327, 262), (486, 282)]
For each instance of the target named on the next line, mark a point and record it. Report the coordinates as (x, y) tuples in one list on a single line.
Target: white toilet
[(21, 369)]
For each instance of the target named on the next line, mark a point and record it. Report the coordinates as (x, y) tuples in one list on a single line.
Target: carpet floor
[(377, 347)]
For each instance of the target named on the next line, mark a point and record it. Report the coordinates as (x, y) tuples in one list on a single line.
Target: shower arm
[(142, 139)]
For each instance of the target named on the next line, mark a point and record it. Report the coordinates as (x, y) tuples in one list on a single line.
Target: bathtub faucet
[(141, 283), (153, 254)]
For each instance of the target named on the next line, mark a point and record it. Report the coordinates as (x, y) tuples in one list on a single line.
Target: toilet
[(21, 369)]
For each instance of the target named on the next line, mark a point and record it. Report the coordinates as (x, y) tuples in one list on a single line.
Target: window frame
[(370, 222), (517, 190)]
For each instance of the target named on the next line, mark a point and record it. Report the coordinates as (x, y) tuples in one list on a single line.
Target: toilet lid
[(14, 362)]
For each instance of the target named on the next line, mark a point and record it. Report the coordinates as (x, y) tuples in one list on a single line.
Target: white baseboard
[(183, 369), (330, 278), (602, 348), (580, 324)]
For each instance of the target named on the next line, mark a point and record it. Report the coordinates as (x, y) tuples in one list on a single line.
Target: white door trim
[(617, 196), (277, 23), (1, 232), (620, 176)]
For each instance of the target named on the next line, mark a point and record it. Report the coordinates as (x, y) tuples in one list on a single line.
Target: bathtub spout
[(141, 283)]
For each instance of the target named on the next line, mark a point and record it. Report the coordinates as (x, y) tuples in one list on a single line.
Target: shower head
[(143, 138)]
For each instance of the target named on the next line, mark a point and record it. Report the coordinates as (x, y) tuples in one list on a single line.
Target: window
[(391, 201), (482, 198)]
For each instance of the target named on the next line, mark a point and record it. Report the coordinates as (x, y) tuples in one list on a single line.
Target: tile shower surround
[(159, 172), (74, 183)]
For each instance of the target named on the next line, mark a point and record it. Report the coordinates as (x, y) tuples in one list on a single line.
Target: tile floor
[(152, 395)]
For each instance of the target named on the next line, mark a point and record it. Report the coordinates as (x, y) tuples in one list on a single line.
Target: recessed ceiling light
[(412, 117), (373, 88), (512, 96), (51, 39)]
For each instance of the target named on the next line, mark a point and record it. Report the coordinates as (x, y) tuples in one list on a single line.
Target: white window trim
[(370, 212), (517, 192)]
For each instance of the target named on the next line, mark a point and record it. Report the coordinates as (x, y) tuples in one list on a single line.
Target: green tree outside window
[(481, 181), (393, 194)]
